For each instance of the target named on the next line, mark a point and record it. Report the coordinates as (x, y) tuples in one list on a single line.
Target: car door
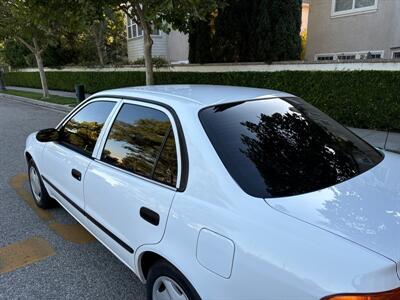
[(130, 185), (65, 162)]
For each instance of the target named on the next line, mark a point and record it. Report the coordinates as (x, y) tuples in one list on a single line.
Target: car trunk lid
[(364, 209)]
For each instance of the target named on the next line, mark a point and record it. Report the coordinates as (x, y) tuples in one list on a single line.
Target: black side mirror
[(48, 135)]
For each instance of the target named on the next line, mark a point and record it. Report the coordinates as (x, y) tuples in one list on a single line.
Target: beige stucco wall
[(378, 30)]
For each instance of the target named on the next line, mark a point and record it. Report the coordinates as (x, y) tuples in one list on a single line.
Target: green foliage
[(285, 16), (200, 42), (263, 34), (164, 14), (2, 55), (365, 99), (158, 62), (64, 31), (248, 30), (231, 32), (17, 55), (303, 36)]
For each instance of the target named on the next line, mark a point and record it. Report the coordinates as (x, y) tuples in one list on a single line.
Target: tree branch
[(31, 48), (37, 49), (127, 9)]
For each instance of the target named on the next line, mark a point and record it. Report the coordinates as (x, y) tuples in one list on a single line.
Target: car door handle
[(76, 174), (150, 216)]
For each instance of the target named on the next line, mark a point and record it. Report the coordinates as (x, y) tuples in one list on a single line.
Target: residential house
[(174, 47), (340, 30)]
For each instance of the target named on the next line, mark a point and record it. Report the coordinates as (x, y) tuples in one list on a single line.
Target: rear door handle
[(150, 216), (76, 174)]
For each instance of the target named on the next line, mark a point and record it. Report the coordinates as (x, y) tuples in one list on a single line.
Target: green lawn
[(37, 96)]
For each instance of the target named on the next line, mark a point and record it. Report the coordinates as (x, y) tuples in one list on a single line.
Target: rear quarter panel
[(276, 256)]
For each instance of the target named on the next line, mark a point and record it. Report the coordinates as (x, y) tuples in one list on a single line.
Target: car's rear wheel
[(39, 193), (165, 282)]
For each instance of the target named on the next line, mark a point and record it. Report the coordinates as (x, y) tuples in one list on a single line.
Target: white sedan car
[(217, 192)]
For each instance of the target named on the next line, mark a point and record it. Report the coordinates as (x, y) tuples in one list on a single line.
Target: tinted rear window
[(284, 147)]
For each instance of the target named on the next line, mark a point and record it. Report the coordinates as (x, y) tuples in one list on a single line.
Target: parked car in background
[(219, 192)]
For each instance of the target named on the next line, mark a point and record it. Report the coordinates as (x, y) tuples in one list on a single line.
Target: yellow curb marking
[(74, 233), (17, 183), (23, 253)]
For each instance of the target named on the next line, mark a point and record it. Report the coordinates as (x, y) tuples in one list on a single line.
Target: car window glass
[(284, 147), (83, 129), (136, 139), (166, 168)]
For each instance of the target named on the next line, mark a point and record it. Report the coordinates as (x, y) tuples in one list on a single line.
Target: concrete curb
[(54, 106)]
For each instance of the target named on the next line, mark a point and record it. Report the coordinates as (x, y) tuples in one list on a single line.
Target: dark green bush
[(365, 99), (158, 62)]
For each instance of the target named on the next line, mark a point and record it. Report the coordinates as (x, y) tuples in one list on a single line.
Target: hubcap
[(35, 184), (165, 288)]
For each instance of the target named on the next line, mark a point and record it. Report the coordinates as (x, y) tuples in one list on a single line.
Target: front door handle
[(76, 174), (150, 216)]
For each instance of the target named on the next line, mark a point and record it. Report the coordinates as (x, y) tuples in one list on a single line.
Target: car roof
[(201, 95)]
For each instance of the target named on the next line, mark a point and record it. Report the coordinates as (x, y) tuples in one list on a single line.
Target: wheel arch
[(145, 260), (28, 156)]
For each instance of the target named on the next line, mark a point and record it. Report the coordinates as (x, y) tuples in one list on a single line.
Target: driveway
[(46, 254)]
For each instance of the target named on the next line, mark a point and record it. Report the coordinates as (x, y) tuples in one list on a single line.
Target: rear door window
[(141, 141), (166, 168)]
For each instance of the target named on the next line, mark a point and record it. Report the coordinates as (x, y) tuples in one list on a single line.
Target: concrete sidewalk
[(52, 92), (382, 139)]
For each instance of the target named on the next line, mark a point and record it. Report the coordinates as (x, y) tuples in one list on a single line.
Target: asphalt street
[(45, 254)]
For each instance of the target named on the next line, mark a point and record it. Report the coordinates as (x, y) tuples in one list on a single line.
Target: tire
[(161, 272), (38, 190)]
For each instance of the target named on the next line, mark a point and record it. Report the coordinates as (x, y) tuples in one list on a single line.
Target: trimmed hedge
[(364, 99)]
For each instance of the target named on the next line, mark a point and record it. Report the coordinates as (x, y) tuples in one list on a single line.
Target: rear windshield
[(284, 147)]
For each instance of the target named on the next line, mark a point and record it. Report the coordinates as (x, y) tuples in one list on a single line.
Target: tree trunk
[(98, 29), (39, 61), (100, 55), (42, 74), (148, 45)]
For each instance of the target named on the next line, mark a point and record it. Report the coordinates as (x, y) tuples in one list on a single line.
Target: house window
[(340, 7), (343, 56), (396, 53), (324, 57), (346, 57), (374, 56), (135, 30)]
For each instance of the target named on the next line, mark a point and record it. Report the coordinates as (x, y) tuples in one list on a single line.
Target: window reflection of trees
[(142, 142), (166, 168), (350, 212), (82, 135), (295, 156)]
